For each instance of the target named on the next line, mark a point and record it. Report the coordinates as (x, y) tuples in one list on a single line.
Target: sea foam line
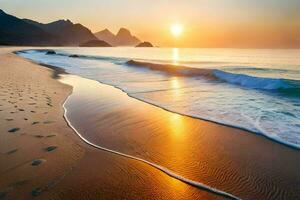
[(159, 167)]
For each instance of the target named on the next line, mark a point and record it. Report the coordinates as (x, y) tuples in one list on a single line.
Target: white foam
[(159, 167)]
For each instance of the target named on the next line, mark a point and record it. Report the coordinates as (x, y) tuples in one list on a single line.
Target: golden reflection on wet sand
[(226, 158)]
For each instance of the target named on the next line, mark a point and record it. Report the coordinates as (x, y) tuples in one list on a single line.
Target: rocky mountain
[(70, 33), (122, 38), (107, 36), (15, 31)]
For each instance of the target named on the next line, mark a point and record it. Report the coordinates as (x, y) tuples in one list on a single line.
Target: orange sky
[(207, 23)]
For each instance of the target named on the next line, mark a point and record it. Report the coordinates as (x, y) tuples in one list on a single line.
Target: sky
[(206, 23)]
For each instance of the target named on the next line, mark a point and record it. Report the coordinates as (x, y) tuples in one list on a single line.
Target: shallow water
[(257, 90), (236, 162)]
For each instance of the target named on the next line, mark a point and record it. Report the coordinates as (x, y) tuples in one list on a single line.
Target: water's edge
[(273, 139), (56, 75), (156, 166)]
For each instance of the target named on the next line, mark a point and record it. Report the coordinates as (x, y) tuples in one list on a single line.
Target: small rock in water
[(13, 130), (50, 52), (51, 148), (73, 56)]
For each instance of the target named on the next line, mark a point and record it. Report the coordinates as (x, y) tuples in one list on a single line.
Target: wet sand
[(239, 162), (42, 158)]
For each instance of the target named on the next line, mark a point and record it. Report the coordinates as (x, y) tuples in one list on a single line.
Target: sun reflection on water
[(175, 56)]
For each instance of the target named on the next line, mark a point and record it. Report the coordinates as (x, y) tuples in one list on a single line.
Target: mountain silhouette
[(70, 33), (16, 31), (122, 38)]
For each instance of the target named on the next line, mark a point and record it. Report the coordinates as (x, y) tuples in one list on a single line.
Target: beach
[(31, 103), (42, 156)]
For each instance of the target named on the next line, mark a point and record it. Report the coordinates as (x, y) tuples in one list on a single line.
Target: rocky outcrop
[(122, 38), (145, 44)]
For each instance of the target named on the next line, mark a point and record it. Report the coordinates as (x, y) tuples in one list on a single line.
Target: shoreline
[(168, 172), (50, 179), (57, 71), (158, 178), (240, 147), (260, 134)]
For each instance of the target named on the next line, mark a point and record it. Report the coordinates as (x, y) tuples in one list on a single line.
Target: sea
[(257, 90)]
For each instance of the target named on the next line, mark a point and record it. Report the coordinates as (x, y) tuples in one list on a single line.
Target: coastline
[(233, 160), (165, 187), (44, 159)]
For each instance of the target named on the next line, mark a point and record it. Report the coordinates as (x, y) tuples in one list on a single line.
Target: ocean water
[(256, 90)]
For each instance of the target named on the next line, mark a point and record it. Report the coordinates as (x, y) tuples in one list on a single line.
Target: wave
[(273, 87), (243, 80), (257, 82), (175, 70), (285, 86)]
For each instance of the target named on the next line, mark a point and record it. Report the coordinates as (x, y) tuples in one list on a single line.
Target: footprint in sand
[(11, 151), (11, 187), (51, 148), (37, 162), (13, 130), (39, 136), (36, 192), (3, 194), (49, 136)]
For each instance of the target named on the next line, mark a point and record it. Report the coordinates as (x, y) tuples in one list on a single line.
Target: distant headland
[(26, 32)]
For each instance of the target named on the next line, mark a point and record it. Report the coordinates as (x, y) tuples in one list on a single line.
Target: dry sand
[(42, 158), (31, 101)]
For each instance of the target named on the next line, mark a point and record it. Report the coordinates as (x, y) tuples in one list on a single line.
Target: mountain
[(70, 33), (122, 38), (15, 31), (107, 36)]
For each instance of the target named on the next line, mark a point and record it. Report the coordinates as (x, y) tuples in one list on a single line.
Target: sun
[(176, 30)]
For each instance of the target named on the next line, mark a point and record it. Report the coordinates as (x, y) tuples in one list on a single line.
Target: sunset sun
[(176, 30), (139, 99)]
